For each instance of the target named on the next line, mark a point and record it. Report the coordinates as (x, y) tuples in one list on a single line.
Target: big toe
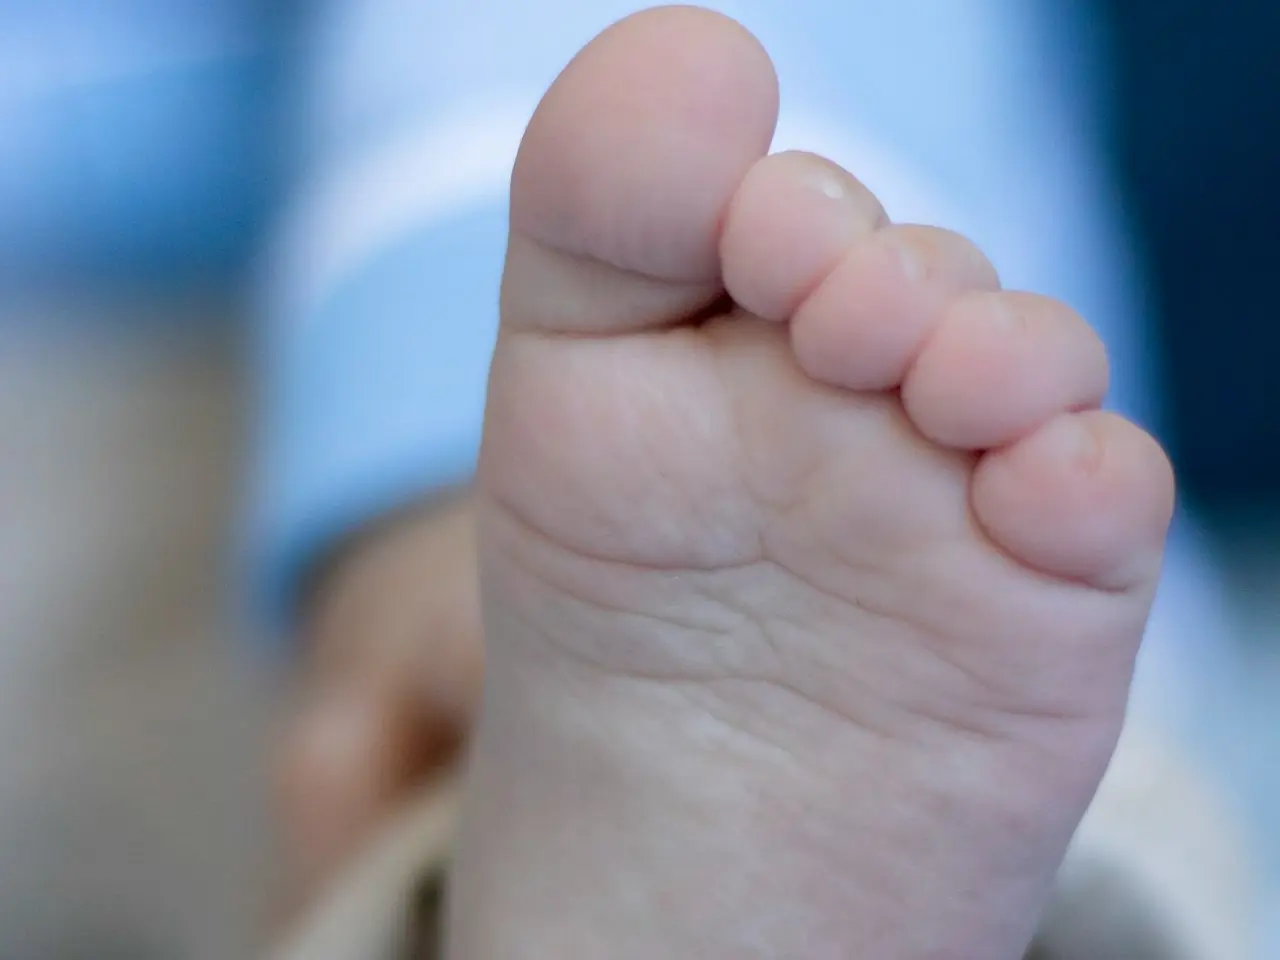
[(626, 171)]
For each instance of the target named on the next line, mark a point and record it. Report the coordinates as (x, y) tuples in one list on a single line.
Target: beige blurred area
[(131, 721)]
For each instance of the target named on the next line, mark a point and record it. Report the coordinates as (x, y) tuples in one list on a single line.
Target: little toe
[(1088, 496)]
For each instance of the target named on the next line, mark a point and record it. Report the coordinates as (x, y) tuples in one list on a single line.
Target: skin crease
[(758, 627), (754, 627)]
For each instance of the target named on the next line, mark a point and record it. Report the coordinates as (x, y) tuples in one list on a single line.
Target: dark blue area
[(1198, 134)]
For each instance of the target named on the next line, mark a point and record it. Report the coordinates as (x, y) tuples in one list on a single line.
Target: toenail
[(1004, 316), (910, 262), (1069, 438), (832, 188), (827, 179)]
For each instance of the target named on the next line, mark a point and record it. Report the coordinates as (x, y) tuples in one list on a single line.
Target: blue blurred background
[(144, 148), (145, 142), (139, 142)]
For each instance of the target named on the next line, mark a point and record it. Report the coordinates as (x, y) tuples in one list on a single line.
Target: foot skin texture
[(813, 575)]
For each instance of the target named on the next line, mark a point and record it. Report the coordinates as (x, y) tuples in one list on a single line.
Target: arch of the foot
[(622, 182)]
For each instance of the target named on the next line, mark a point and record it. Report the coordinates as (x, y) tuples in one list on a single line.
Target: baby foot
[(811, 613)]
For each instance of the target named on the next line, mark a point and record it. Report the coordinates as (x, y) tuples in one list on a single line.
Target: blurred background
[(143, 146)]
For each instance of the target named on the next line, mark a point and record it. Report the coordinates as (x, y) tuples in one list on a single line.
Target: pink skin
[(810, 623)]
